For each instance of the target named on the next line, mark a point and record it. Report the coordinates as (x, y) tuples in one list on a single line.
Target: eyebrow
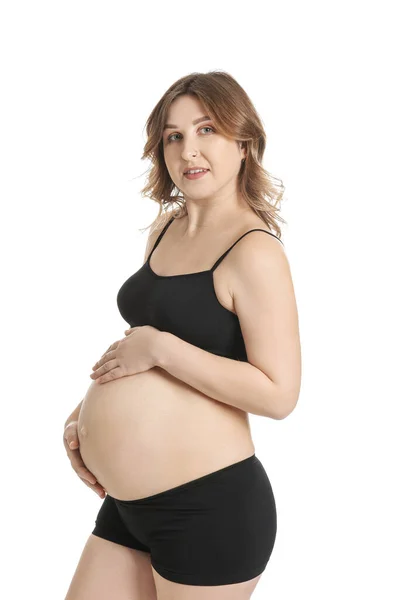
[(170, 126)]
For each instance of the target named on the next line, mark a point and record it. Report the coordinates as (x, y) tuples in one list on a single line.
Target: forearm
[(74, 415), (230, 381)]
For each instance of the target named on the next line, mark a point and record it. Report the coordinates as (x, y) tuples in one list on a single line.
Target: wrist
[(161, 349)]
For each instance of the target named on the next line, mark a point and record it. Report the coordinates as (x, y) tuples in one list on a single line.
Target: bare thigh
[(168, 590), (108, 570)]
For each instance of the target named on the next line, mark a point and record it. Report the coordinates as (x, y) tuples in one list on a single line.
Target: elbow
[(285, 404), (282, 415)]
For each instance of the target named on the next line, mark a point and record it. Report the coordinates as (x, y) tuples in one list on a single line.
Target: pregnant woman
[(163, 429)]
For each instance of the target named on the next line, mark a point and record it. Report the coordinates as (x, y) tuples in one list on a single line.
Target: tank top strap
[(164, 229), (230, 248)]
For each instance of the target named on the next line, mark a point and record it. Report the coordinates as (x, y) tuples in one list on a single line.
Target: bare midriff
[(149, 432)]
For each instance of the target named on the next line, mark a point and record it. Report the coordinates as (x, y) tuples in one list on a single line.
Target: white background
[(78, 80)]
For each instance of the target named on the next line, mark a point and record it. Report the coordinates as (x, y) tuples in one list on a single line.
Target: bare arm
[(268, 384)]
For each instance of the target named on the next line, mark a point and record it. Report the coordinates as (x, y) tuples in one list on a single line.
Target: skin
[(213, 200), (213, 203), (71, 445)]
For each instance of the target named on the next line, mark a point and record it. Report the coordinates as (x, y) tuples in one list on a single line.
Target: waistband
[(237, 466)]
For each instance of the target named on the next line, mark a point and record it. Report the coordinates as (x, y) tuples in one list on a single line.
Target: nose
[(189, 151)]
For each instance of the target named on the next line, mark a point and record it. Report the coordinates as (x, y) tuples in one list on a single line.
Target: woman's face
[(190, 144)]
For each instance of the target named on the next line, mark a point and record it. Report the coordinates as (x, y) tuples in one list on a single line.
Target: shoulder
[(156, 228), (257, 257), (254, 222), (257, 243)]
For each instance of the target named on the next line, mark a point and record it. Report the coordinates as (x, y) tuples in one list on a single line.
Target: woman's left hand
[(133, 354)]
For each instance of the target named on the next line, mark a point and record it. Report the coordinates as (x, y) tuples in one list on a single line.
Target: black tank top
[(185, 305)]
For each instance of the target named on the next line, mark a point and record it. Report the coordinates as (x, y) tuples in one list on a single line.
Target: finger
[(71, 435), (111, 375), (72, 441), (85, 474), (112, 347), (110, 364), (98, 362), (100, 491), (80, 468), (71, 444), (97, 487), (78, 465), (109, 355), (108, 350)]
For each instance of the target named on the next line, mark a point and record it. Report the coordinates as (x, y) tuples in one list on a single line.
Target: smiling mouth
[(189, 173), (198, 175)]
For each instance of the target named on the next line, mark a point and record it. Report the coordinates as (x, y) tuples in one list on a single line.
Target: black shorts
[(217, 529)]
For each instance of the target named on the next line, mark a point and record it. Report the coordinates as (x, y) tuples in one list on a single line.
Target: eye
[(169, 139)]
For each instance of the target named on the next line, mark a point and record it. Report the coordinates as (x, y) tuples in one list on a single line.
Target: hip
[(212, 530)]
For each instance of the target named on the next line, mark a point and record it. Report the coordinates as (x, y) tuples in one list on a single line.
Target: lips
[(195, 169), (198, 175)]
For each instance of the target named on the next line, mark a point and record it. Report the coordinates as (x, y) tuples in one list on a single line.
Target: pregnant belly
[(146, 433)]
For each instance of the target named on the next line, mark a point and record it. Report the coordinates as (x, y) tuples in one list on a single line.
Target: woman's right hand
[(74, 455)]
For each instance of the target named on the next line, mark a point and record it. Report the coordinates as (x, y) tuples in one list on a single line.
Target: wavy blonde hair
[(235, 117)]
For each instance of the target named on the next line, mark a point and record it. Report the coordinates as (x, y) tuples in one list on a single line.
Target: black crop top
[(185, 305)]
